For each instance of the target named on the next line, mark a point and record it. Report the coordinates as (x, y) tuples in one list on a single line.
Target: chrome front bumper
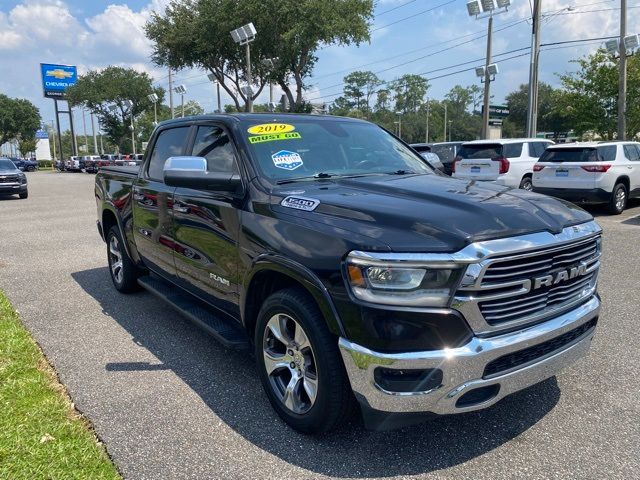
[(463, 367)]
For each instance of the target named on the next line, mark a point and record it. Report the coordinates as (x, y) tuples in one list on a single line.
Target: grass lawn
[(41, 435)]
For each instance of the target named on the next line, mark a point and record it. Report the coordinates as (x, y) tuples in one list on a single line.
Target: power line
[(414, 15), (396, 8)]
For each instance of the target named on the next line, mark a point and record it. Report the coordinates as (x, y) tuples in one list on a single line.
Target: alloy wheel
[(115, 259), (620, 199), (290, 363)]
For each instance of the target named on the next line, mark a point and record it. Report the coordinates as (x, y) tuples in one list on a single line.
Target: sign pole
[(74, 144), (61, 153)]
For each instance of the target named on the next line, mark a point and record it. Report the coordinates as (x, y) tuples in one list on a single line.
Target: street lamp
[(181, 90), (212, 78), (129, 105), (244, 36), (490, 7), (270, 63), (153, 98)]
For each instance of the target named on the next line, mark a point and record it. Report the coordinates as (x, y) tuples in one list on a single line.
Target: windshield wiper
[(402, 172), (319, 175)]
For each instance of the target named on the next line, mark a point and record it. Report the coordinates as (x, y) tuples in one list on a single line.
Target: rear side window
[(214, 144), (445, 152), (168, 144), (536, 149), (607, 153), (513, 150), (631, 152)]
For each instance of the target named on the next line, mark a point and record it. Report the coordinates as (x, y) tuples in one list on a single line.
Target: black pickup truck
[(355, 273)]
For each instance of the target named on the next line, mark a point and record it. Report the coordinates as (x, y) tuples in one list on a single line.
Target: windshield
[(306, 148), (579, 154), (6, 164)]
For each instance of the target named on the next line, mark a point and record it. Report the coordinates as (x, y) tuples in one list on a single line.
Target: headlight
[(394, 283), (23, 178)]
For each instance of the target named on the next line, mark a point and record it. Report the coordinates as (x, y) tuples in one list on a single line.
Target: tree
[(360, 87), (19, 119), (27, 145), (550, 115), (195, 34), (409, 92), (592, 94), (115, 95)]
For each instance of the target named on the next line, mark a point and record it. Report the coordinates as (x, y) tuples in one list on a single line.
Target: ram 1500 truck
[(355, 273)]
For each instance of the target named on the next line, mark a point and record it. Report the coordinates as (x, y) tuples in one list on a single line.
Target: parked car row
[(583, 173), (91, 163)]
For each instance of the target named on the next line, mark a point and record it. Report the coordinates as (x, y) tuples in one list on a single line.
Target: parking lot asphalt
[(169, 402)]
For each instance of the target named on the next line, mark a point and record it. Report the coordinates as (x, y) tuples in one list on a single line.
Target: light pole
[(489, 7), (213, 79), (93, 133), (153, 98), (532, 108), (84, 128), (270, 63), (444, 135), (244, 36), (399, 114), (426, 135), (53, 132), (450, 122), (181, 90), (129, 105)]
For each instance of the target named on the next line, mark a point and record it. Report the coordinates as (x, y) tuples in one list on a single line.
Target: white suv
[(605, 172), (507, 162)]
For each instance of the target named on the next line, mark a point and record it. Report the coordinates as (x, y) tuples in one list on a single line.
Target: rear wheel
[(124, 273), (526, 183), (618, 201), (299, 363)]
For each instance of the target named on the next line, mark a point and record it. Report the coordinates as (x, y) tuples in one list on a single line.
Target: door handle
[(629, 167)]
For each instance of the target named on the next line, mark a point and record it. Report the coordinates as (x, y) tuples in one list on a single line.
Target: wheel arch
[(110, 218), (623, 179), (273, 273)]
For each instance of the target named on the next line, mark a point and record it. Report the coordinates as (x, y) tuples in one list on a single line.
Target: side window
[(607, 154), (513, 150), (168, 144), (536, 149), (214, 144), (631, 152)]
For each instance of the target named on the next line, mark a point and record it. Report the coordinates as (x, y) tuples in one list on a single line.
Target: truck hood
[(426, 213)]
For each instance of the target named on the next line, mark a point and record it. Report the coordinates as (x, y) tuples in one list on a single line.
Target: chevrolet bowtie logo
[(59, 74)]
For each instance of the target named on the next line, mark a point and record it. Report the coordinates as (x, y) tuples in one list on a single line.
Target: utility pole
[(218, 89), (53, 132), (487, 82), (171, 93), (532, 108), (622, 82), (93, 131), (444, 139)]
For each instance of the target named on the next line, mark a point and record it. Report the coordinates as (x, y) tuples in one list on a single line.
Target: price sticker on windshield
[(265, 128)]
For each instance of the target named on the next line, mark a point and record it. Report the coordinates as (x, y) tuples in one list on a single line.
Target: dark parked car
[(25, 165), (351, 270), (424, 149), (12, 180), (447, 151)]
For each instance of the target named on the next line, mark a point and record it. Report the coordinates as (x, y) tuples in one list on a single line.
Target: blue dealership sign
[(42, 134), (57, 78)]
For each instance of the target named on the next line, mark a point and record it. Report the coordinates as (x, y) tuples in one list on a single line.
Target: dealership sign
[(57, 78)]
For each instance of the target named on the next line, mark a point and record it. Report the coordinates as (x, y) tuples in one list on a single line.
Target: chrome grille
[(506, 292), (9, 178)]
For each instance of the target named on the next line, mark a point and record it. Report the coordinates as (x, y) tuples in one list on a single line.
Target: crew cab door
[(207, 225), (153, 201)]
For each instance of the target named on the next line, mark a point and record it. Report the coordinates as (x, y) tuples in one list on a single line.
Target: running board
[(225, 331)]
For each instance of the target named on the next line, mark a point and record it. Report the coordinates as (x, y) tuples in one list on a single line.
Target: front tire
[(618, 201), (24, 195), (124, 273), (299, 363)]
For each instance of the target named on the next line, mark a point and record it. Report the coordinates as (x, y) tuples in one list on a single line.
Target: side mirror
[(191, 172)]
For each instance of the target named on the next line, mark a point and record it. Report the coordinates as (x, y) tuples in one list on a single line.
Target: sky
[(436, 38)]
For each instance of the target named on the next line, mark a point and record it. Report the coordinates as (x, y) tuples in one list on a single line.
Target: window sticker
[(286, 160), (264, 128), (300, 203), (272, 137)]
